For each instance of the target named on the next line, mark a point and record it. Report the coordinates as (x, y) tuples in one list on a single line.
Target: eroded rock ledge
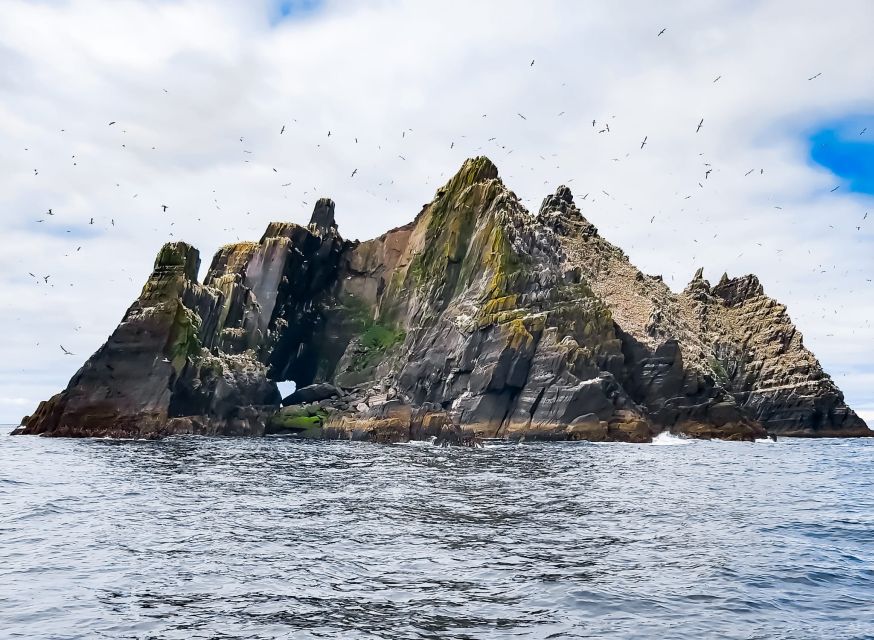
[(476, 320)]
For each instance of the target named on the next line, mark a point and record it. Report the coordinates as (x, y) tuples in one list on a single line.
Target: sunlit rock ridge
[(476, 320)]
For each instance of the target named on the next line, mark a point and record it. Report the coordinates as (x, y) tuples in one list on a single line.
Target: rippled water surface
[(276, 538)]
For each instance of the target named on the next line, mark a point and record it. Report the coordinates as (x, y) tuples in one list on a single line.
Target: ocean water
[(277, 538)]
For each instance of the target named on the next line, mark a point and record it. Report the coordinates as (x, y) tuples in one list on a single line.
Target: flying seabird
[(642, 144), (662, 31), (69, 353), (699, 125)]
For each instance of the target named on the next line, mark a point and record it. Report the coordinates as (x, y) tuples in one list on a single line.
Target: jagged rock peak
[(478, 169), (322, 219), (736, 290), (562, 200), (559, 212), (698, 287), (474, 170), (178, 257)]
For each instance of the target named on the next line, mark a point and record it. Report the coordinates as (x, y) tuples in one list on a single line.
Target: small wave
[(418, 443), (669, 439)]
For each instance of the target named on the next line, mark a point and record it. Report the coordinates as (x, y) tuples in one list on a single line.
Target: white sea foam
[(418, 443), (669, 439)]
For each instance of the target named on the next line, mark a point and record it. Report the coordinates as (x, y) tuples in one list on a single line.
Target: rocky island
[(476, 320)]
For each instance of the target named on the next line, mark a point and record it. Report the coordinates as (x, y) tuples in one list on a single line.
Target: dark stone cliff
[(476, 320)]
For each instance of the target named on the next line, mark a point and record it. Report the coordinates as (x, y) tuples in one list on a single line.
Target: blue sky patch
[(292, 9), (846, 148)]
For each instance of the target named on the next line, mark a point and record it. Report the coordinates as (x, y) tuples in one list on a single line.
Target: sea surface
[(279, 538)]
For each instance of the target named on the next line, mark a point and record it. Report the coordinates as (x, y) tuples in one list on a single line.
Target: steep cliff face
[(759, 356), (154, 375), (708, 357), (476, 320), (203, 359), (500, 337)]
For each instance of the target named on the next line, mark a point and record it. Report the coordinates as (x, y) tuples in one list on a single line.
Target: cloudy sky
[(199, 92)]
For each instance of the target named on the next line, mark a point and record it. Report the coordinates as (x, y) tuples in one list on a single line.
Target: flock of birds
[(602, 129)]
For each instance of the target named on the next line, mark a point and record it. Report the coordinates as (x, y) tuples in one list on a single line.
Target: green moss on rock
[(304, 420)]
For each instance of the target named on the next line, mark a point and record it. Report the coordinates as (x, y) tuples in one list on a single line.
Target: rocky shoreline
[(476, 320)]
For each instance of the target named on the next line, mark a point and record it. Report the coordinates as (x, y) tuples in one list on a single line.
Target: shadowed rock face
[(476, 320)]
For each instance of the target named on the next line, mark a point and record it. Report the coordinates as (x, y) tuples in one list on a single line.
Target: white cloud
[(185, 80)]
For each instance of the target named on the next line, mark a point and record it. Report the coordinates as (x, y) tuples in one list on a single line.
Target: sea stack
[(476, 320)]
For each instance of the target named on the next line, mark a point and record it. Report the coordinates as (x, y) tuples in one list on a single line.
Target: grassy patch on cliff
[(373, 344)]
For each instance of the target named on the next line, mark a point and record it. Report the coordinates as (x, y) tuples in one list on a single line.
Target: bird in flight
[(662, 31), (863, 130), (521, 116), (164, 207), (281, 131), (717, 79), (532, 64), (49, 212), (353, 173), (111, 123), (643, 144), (816, 76), (69, 353), (699, 125), (748, 172), (835, 189)]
